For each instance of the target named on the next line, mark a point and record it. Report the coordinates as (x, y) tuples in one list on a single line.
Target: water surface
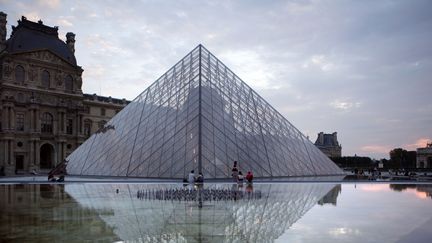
[(280, 212)]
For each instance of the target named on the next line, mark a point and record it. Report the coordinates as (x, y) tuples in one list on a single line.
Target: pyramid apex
[(200, 46)]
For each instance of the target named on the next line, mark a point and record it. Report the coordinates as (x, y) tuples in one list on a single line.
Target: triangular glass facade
[(199, 116)]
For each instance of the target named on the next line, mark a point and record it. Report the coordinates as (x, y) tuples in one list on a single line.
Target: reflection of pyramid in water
[(199, 115), (257, 220)]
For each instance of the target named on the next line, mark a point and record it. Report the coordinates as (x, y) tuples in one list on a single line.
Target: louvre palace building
[(44, 115)]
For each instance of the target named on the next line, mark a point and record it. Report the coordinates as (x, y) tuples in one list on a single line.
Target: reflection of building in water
[(331, 196), (425, 188), (255, 220), (30, 213)]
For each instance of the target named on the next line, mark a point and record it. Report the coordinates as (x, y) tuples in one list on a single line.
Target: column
[(1, 118), (6, 152), (30, 112), (2, 161), (60, 122), (37, 155), (59, 151), (11, 152), (12, 118), (5, 117), (81, 124), (37, 120), (77, 127), (64, 122), (35, 152), (31, 153)]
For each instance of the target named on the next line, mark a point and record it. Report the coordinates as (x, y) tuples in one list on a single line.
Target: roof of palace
[(30, 36)]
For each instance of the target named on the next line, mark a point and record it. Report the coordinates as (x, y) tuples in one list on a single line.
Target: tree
[(401, 158)]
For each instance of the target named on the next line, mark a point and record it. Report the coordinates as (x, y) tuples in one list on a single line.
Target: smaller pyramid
[(199, 116)]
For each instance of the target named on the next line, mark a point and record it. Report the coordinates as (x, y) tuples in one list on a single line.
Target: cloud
[(53, 4), (103, 46), (320, 61), (250, 67), (385, 149), (64, 22), (339, 231), (344, 105), (376, 149), (94, 71), (33, 16), (420, 143)]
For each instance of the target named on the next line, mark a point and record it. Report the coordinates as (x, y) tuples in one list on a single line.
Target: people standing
[(191, 177), (234, 171), (200, 178), (249, 177), (240, 178)]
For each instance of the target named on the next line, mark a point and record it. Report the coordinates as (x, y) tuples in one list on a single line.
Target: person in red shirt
[(249, 177)]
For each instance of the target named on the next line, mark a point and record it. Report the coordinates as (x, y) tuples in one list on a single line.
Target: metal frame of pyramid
[(199, 116)]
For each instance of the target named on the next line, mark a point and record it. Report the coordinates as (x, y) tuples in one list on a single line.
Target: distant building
[(328, 144), (44, 114), (424, 156)]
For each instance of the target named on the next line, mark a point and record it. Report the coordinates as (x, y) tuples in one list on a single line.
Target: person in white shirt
[(191, 177)]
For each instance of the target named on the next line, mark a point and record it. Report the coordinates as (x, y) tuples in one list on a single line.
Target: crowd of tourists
[(236, 174)]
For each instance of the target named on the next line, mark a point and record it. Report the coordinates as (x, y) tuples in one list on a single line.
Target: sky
[(362, 69)]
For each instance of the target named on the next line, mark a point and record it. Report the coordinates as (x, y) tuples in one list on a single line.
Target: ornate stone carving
[(78, 81), (45, 56), (59, 78), (7, 68), (70, 41), (32, 73)]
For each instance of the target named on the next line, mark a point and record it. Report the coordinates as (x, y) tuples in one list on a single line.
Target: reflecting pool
[(279, 212)]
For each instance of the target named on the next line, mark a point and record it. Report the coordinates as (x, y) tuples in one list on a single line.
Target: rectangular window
[(20, 121), (102, 111), (69, 126)]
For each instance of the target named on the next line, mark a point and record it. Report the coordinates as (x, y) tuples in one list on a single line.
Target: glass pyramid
[(199, 116)]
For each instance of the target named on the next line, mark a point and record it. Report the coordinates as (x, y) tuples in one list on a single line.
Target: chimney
[(320, 139), (3, 31), (70, 41), (335, 141)]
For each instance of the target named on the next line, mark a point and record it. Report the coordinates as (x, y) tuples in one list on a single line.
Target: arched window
[(45, 78), (87, 127), (47, 122), (69, 83), (19, 74)]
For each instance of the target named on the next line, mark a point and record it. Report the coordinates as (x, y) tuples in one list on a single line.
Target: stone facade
[(44, 115), (328, 144), (424, 156)]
